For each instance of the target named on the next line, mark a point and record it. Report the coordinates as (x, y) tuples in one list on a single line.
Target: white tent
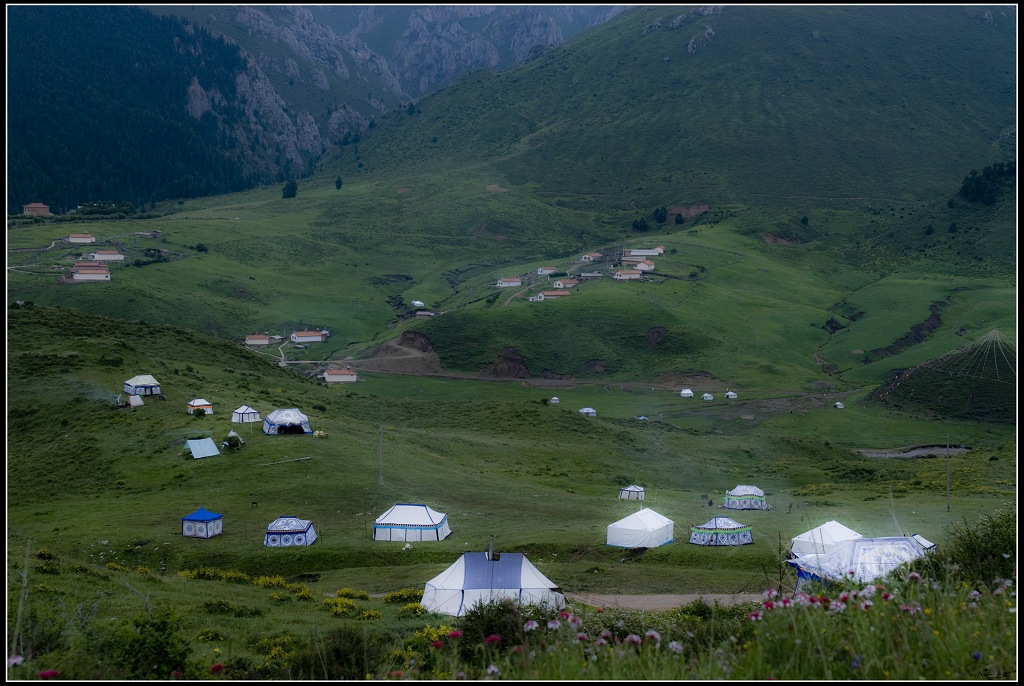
[(244, 415), (202, 524), (135, 400), (477, 578), (199, 404), (859, 559), (289, 421), (643, 529), (405, 522), (707, 396), (632, 492), (839, 405), (745, 498), (289, 531), (589, 411), (554, 400), (730, 394), (143, 384), (721, 531), (821, 539), (202, 447), (686, 393)]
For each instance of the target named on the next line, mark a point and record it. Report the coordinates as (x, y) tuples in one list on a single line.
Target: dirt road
[(660, 603)]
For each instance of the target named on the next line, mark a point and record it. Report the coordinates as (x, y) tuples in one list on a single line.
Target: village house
[(590, 275), (644, 252), (544, 271), (36, 209), (106, 256), (425, 313), (548, 295), (627, 274), (509, 282), (645, 266), (80, 238), (257, 339), (565, 283), (591, 256), (340, 375), (307, 336), (90, 274)]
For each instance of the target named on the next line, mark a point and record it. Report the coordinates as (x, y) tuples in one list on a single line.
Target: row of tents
[(742, 497)]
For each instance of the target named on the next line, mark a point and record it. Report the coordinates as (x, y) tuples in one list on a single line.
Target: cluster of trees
[(660, 215), (986, 186), (95, 107)]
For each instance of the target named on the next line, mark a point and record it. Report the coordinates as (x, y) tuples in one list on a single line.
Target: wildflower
[(632, 639), (176, 674), (217, 668), (530, 625), (914, 577), (563, 614), (580, 637), (455, 633), (974, 595), (49, 674), (493, 670), (653, 635), (554, 624), (867, 604), (836, 606), (575, 621), (769, 604), (770, 594), (606, 634), (397, 674), (844, 597), (676, 647), (620, 624), (15, 660), (887, 596), (438, 644), (785, 602), (868, 591), (601, 642), (600, 610), (492, 639), (756, 616), (460, 676), (976, 654)]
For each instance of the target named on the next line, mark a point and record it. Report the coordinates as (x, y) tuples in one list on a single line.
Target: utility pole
[(380, 430), (947, 472)]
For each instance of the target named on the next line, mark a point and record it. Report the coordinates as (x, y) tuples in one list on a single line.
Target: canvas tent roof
[(202, 524), (143, 384), (821, 539), (142, 380), (721, 531), (643, 529), (202, 447), (202, 515), (245, 414), (589, 411), (409, 522), (476, 578), (860, 559), (745, 490)]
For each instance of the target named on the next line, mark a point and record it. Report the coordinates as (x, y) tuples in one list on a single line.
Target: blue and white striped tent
[(289, 531), (408, 522), (480, 578)]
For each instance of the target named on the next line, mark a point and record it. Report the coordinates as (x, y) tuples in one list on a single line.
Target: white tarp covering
[(859, 559), (407, 522), (245, 414), (289, 531), (643, 529), (202, 447), (135, 400), (821, 539), (474, 578)]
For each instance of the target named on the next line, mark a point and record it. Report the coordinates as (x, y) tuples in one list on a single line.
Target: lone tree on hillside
[(290, 190), (337, 183)]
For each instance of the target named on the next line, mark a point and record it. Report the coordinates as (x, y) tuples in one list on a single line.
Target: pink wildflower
[(653, 635), (438, 644), (217, 668), (493, 670), (756, 616), (563, 614), (867, 604), (492, 639), (454, 633), (886, 595), (770, 594), (397, 674), (530, 625), (554, 624), (601, 642), (581, 637), (49, 674), (785, 602), (606, 634), (914, 577), (769, 604), (633, 639), (575, 621)]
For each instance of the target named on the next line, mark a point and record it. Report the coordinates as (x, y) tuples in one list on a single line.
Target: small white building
[(341, 375), (645, 266), (839, 405), (199, 404), (590, 275), (81, 238), (91, 274), (509, 282), (565, 283), (627, 274), (591, 256), (544, 271), (257, 339), (644, 252), (307, 336), (106, 256), (686, 393), (549, 295)]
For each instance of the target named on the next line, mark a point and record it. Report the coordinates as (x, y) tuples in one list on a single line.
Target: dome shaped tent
[(721, 531), (286, 422), (745, 498)]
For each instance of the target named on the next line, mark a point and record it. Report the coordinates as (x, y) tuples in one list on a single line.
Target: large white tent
[(631, 492), (643, 529), (721, 531), (143, 384), (821, 539), (745, 498), (244, 415), (289, 531), (860, 559), (480, 578), (407, 522), (289, 421)]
